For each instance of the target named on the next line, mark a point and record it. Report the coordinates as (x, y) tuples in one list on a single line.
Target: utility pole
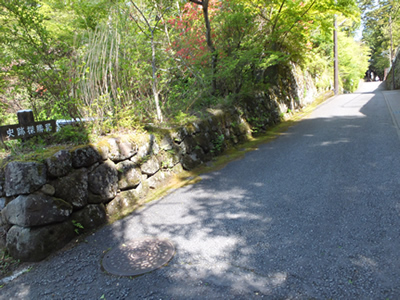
[(335, 60), (391, 52)]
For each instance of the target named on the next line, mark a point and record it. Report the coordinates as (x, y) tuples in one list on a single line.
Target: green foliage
[(259, 122), (77, 226), (381, 28), (7, 263), (181, 118), (218, 144), (72, 134), (353, 59), (4, 114), (122, 63)]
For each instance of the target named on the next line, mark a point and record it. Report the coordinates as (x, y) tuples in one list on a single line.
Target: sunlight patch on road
[(207, 245), (363, 261), (330, 143)]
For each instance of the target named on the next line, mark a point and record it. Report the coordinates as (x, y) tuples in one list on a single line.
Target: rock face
[(90, 217), (191, 161), (125, 200), (3, 237), (24, 177), (157, 180), (151, 166), (2, 179), (36, 243), (36, 210), (85, 157), (121, 150), (73, 188), (60, 164), (2, 203), (103, 180), (129, 175)]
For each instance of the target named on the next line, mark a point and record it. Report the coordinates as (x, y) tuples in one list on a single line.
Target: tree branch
[(277, 16), (143, 16), (302, 15), (197, 2)]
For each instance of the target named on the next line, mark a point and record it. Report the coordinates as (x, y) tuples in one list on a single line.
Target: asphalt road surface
[(314, 214)]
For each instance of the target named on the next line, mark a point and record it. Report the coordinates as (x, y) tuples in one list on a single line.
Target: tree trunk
[(210, 45), (155, 83), (214, 56)]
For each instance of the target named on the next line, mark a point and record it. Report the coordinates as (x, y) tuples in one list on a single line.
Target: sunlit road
[(314, 214)]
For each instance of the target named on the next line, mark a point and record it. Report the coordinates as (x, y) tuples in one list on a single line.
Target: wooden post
[(25, 117)]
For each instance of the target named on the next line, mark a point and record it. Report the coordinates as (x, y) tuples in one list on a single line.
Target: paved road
[(314, 214)]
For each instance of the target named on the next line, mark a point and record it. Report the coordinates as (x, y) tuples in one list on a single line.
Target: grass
[(7, 264)]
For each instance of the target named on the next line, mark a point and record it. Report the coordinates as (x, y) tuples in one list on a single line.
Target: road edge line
[(394, 120)]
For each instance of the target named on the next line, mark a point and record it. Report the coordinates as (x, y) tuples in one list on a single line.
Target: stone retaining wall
[(389, 78), (43, 205)]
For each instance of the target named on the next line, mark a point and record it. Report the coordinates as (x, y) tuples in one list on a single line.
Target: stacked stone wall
[(45, 204), (389, 78)]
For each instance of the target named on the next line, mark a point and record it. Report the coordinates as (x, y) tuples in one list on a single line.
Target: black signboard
[(26, 128)]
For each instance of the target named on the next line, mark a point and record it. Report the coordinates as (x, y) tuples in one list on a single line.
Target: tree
[(381, 32), (148, 26)]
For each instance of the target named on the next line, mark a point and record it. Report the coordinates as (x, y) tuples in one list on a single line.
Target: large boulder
[(147, 147), (103, 180), (73, 188), (204, 141), (129, 175), (150, 166), (32, 244), (36, 210), (158, 179), (3, 237), (59, 164), (179, 134), (168, 159), (191, 161), (24, 177), (96, 199), (2, 203), (90, 217), (125, 202), (48, 189), (85, 156), (119, 149), (2, 179), (188, 145), (166, 143)]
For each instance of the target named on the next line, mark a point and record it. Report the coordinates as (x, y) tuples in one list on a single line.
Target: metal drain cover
[(138, 256)]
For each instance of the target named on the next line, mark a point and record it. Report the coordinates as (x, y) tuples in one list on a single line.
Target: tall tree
[(148, 25), (214, 55), (381, 31)]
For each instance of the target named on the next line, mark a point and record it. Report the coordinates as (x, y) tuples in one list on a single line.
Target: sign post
[(27, 127)]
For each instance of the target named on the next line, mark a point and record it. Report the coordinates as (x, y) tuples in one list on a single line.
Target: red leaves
[(40, 90)]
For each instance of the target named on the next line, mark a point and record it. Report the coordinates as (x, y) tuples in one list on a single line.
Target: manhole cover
[(138, 257)]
